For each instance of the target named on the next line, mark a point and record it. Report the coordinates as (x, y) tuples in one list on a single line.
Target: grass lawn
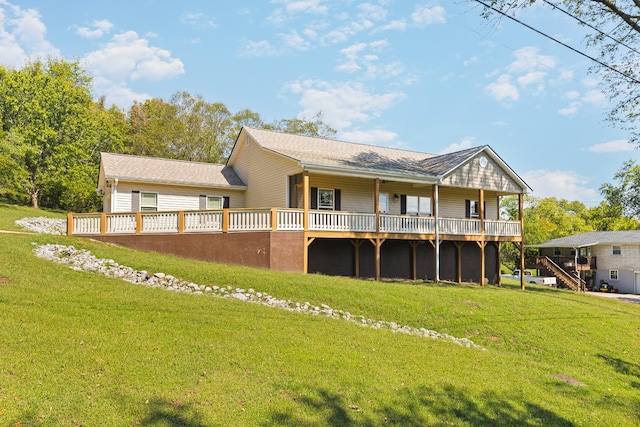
[(83, 349)]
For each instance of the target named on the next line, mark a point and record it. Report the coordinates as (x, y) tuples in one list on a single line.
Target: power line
[(631, 78), (583, 22)]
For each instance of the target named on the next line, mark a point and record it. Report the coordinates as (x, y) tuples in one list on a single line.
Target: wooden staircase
[(562, 276)]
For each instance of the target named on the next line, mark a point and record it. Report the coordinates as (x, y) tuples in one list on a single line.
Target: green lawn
[(83, 349)]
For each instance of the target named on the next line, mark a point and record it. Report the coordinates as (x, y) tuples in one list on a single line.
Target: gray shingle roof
[(592, 238), (311, 151), (165, 171)]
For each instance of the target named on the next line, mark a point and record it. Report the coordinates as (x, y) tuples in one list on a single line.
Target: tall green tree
[(624, 193), (309, 127), (613, 28), (49, 138)]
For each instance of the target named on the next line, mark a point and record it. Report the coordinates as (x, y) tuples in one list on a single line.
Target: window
[(616, 250), (383, 203), (215, 202), (325, 198), (148, 201), (613, 274), (474, 209), (557, 252), (420, 206)]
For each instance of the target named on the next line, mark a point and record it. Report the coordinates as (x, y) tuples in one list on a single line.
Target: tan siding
[(265, 174), (356, 193), (174, 197), (400, 188), (453, 202), (491, 177)]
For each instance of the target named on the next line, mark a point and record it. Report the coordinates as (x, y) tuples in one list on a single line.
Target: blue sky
[(430, 76)]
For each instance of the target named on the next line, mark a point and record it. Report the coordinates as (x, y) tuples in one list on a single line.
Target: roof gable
[(157, 170)]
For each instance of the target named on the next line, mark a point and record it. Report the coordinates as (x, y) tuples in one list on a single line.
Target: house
[(305, 204), (600, 257)]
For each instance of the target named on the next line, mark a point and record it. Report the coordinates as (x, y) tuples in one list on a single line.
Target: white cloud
[(595, 97), (296, 41), (291, 8), (615, 146), (572, 94), (564, 184), (359, 58), (342, 104), (198, 20), (129, 57), (466, 142), (503, 89), (22, 35), (424, 15), (96, 30), (571, 109), (251, 49), (528, 58), (398, 25), (118, 93)]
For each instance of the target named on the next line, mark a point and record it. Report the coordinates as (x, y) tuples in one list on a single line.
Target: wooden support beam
[(274, 219), (376, 202), (459, 246), (305, 200), (356, 256), (225, 220), (414, 258)]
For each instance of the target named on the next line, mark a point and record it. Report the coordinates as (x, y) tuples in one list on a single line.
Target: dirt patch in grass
[(3, 280)]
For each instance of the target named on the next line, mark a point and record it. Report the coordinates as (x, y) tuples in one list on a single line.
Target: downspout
[(437, 229)]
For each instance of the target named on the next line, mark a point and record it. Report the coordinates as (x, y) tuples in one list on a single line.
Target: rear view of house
[(305, 204)]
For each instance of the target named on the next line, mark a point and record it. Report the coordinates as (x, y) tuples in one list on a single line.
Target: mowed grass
[(82, 349)]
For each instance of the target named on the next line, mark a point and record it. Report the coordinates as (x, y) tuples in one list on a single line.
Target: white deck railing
[(250, 220), (202, 221), (238, 220), (407, 224), (459, 227), (290, 220), (342, 221), (502, 228)]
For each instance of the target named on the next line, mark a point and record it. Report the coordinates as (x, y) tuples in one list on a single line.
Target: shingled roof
[(314, 153), (165, 171), (592, 238)]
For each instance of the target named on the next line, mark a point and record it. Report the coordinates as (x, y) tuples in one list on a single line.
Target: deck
[(275, 219)]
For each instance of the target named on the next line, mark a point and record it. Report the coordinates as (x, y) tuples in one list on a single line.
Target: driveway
[(632, 298)]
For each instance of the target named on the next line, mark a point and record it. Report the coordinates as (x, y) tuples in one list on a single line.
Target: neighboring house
[(305, 204), (601, 256)]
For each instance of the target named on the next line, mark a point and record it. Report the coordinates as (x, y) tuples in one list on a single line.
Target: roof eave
[(367, 173), (177, 183)]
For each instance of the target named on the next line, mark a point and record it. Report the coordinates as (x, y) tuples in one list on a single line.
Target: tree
[(625, 194), (308, 127), (185, 128), (614, 30), (47, 129), (606, 217)]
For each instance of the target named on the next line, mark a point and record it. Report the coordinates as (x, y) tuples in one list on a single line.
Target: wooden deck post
[(305, 200), (103, 223), (482, 246), (138, 222), (356, 256), (69, 224), (180, 222), (274, 219), (225, 220)]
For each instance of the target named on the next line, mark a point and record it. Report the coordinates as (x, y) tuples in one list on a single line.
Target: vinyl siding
[(172, 198), (264, 173), (491, 177), (453, 202)]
